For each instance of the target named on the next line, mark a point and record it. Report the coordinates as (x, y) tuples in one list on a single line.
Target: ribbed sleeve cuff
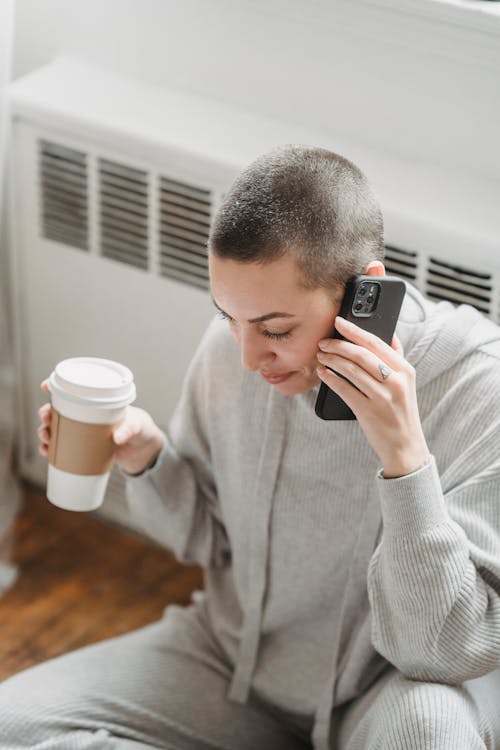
[(413, 503)]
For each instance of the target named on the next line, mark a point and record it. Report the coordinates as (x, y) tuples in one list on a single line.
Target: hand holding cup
[(88, 425), (137, 438)]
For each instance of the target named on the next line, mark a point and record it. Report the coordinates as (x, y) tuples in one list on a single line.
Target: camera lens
[(358, 306), (361, 290), (369, 298)]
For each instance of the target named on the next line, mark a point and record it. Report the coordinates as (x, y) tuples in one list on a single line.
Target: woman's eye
[(276, 336), (267, 334)]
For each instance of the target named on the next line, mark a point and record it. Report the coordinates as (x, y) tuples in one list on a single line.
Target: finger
[(43, 450), (353, 398), (44, 385), (359, 356), (365, 376), (125, 431), (121, 435), (375, 344), (45, 413), (43, 434)]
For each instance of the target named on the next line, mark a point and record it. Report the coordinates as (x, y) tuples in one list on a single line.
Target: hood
[(437, 335)]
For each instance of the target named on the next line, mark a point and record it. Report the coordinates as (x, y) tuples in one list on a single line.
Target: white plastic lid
[(100, 382)]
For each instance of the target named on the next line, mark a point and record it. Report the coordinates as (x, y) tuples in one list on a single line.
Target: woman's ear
[(375, 268)]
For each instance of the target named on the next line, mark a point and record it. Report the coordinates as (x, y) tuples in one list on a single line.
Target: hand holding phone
[(376, 379), (373, 303)]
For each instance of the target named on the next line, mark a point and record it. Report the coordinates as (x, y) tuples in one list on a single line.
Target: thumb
[(129, 427), (119, 436), (122, 434)]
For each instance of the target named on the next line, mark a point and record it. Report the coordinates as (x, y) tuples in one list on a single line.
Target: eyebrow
[(261, 318)]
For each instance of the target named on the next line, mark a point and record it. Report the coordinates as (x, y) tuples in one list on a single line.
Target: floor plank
[(81, 580)]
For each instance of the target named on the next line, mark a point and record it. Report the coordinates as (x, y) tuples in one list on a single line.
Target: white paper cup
[(89, 398)]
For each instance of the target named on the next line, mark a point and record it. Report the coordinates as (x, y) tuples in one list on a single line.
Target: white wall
[(6, 39), (9, 488), (410, 85)]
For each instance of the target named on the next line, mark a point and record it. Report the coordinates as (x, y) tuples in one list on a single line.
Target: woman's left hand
[(386, 403)]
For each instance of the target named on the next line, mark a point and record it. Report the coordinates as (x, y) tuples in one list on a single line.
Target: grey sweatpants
[(165, 686)]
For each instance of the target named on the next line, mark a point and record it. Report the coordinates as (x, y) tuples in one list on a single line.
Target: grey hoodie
[(319, 572)]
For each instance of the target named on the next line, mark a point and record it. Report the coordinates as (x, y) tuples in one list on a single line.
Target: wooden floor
[(80, 580)]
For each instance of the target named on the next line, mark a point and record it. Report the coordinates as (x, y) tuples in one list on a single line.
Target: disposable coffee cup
[(89, 398)]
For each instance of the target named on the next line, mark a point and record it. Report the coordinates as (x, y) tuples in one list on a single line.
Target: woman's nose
[(254, 354)]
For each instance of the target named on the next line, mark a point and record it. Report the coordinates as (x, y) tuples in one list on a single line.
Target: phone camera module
[(365, 299)]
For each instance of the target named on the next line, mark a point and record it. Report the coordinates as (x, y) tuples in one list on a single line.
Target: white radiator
[(113, 186)]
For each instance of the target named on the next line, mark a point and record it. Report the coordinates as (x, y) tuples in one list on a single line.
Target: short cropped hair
[(306, 201)]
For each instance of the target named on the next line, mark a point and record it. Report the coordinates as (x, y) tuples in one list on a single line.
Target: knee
[(411, 714), (26, 715)]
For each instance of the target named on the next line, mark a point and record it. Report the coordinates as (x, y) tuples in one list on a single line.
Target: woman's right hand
[(137, 438), (43, 432)]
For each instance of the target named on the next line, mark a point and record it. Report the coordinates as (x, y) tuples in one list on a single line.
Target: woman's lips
[(275, 379)]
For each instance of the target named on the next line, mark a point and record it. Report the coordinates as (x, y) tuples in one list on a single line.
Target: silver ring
[(384, 371)]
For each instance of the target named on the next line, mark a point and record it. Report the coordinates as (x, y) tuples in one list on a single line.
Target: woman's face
[(276, 322)]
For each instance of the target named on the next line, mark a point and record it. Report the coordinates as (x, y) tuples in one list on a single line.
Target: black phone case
[(382, 322)]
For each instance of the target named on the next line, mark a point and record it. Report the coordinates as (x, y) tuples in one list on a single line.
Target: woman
[(352, 580)]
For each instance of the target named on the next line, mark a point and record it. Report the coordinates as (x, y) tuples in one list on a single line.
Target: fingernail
[(343, 321), (119, 436)]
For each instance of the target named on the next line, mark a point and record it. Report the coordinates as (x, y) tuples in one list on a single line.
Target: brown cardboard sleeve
[(80, 447)]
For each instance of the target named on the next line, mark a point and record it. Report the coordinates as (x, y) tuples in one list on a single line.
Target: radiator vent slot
[(63, 194), (184, 216), (401, 262), (459, 285), (123, 205)]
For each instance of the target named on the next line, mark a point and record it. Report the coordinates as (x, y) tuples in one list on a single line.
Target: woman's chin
[(297, 383)]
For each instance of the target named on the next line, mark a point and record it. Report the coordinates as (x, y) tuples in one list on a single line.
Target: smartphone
[(372, 303)]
